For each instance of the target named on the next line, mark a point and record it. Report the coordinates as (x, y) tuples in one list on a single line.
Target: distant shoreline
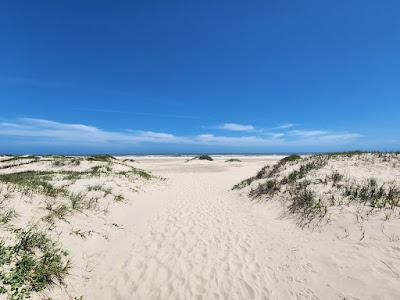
[(184, 154)]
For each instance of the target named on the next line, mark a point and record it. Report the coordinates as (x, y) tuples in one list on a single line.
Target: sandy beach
[(185, 234), (200, 150)]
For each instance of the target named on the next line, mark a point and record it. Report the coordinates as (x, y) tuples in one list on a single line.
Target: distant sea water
[(172, 154), (216, 154)]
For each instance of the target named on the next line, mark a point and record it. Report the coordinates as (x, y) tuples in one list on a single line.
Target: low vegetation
[(103, 157), (31, 263), (297, 182), (267, 171), (33, 182), (201, 157), (374, 195), (30, 259), (233, 160)]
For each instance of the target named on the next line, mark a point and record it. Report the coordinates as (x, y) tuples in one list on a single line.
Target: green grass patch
[(33, 181), (373, 194), (32, 263)]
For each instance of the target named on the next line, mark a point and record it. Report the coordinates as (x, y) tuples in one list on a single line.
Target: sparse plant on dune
[(233, 160), (56, 212), (277, 167), (303, 171), (267, 171), (129, 160), (374, 195), (6, 213), (82, 234), (267, 188), (119, 198), (102, 157), (30, 264), (30, 261), (97, 187), (205, 157), (292, 157), (243, 183), (201, 157), (305, 204), (77, 201), (31, 181), (296, 188), (336, 177)]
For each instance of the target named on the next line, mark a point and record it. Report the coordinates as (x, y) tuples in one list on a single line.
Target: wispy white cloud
[(308, 133), (324, 136), (80, 134), (284, 126), (277, 135), (231, 140), (236, 127)]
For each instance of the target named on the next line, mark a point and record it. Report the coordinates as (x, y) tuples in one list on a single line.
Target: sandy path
[(193, 238), (201, 244)]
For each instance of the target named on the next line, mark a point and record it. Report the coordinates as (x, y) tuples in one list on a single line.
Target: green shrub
[(233, 160), (205, 157)]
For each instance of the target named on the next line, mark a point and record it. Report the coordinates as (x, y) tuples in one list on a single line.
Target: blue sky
[(199, 76)]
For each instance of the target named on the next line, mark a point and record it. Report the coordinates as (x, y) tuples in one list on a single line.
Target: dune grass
[(33, 181), (31, 263), (303, 171), (102, 157), (41, 182), (267, 171), (296, 188), (269, 187), (374, 195), (305, 204)]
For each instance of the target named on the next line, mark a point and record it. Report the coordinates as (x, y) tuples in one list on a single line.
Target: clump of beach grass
[(336, 177), (101, 157), (233, 160), (303, 171), (268, 188), (305, 204), (56, 212), (299, 188), (33, 181), (201, 157), (205, 157), (373, 194), (31, 263), (267, 171)]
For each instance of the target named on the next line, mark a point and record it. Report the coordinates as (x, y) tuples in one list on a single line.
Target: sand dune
[(186, 235)]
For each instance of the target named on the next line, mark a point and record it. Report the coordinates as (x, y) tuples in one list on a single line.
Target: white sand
[(191, 237)]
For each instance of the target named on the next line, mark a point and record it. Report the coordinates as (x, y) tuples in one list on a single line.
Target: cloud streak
[(42, 130), (236, 127)]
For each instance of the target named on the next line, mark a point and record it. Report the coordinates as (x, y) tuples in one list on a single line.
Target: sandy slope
[(191, 237)]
